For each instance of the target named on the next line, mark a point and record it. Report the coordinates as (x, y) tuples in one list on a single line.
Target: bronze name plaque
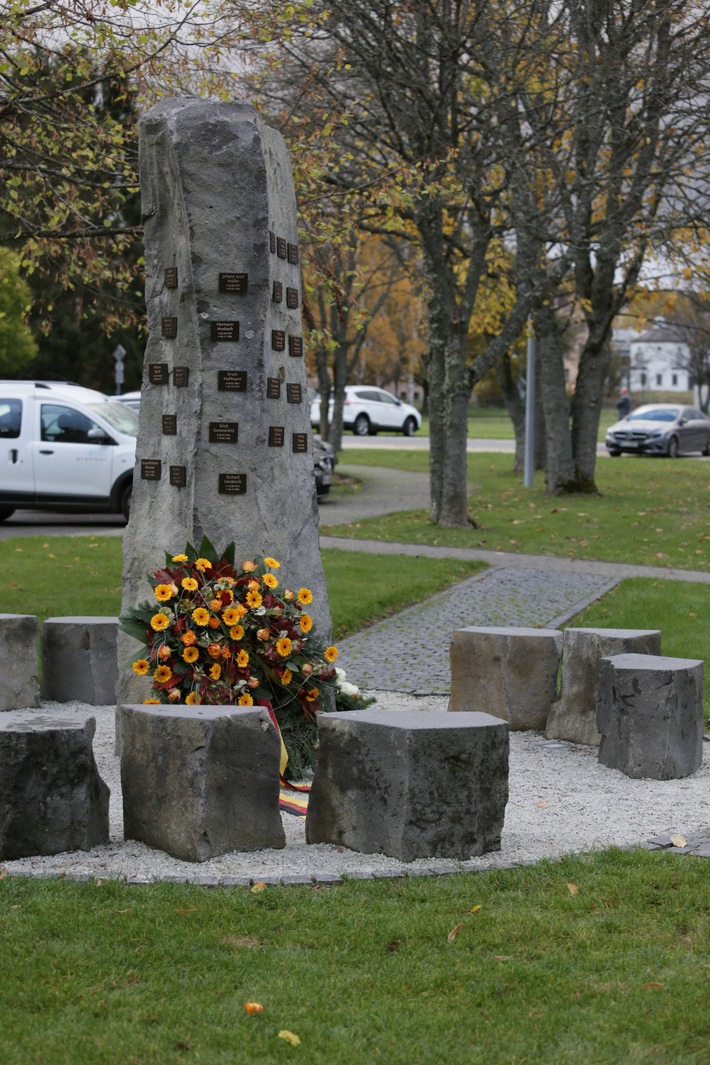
[(276, 436), (224, 432), (170, 425), (292, 298), (278, 292), (151, 469), (299, 443), (224, 331), (231, 380), (169, 328), (273, 388), (158, 373), (232, 484), (178, 476), (293, 393), (295, 347), (278, 340), (272, 242), (281, 247), (181, 376), (236, 283), (292, 253), (171, 277)]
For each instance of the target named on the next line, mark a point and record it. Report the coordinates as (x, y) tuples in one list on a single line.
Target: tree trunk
[(559, 470), (587, 406), (515, 406)]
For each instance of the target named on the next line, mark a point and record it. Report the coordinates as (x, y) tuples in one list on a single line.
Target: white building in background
[(659, 361)]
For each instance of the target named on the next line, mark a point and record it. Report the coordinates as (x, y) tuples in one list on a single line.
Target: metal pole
[(529, 465)]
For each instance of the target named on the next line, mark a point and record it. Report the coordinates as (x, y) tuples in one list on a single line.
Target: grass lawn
[(493, 423), (649, 511), (511, 967)]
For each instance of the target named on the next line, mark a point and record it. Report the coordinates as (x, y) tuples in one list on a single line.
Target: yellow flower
[(159, 622), (305, 596), (151, 701), (189, 584), (312, 695), (270, 581), (286, 677), (203, 564), (231, 617), (179, 558), (245, 700), (330, 654), (193, 698), (242, 659), (305, 623), (141, 667), (190, 654), (272, 563), (200, 616), (215, 671), (162, 674), (236, 632), (254, 599), (188, 637), (163, 592), (283, 646)]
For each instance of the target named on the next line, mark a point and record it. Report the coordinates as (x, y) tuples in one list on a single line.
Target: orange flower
[(241, 609), (216, 605), (151, 701), (248, 567), (193, 698), (189, 637), (215, 672), (262, 634), (213, 623), (164, 652), (286, 677), (312, 695), (289, 596), (214, 650), (174, 695), (253, 1007), (226, 653)]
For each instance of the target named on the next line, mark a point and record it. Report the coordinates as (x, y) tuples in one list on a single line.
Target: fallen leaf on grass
[(502, 957), (3, 873), (192, 909), (679, 841), (253, 1007), (260, 886), (289, 1037), (475, 909), (653, 986), (123, 911), (573, 889), (455, 931)]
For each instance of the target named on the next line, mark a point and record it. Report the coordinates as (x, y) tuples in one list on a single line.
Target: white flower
[(349, 689)]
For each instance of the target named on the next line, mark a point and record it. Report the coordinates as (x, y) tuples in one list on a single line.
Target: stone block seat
[(199, 781), (79, 660), (52, 798), (574, 716), (410, 784), (508, 672), (18, 640), (650, 715)]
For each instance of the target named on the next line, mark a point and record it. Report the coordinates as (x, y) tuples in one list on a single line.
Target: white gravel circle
[(561, 801)]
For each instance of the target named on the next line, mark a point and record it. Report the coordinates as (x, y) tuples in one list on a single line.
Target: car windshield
[(119, 416), (655, 414)]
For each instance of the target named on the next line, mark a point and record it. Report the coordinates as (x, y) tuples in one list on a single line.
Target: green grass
[(649, 512), (61, 576), (366, 972), (493, 423)]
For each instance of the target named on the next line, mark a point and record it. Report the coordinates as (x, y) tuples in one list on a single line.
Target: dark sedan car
[(660, 429)]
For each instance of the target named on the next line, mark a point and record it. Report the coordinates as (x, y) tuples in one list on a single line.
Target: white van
[(64, 448)]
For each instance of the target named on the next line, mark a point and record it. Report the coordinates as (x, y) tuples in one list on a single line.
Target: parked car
[(368, 409), (324, 459), (660, 429), (131, 399)]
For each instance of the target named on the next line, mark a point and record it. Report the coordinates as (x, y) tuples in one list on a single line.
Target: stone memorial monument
[(224, 444)]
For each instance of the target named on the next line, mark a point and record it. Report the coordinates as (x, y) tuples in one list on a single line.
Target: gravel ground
[(561, 801)]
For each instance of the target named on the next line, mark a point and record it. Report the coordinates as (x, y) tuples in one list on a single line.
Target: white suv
[(368, 409)]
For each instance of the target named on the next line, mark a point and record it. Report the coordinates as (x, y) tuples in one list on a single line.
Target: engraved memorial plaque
[(158, 373), (276, 436), (170, 425), (278, 292), (235, 283), (181, 376), (292, 254), (232, 484), (178, 476), (224, 331), (299, 443), (281, 247), (292, 298), (151, 469), (273, 388), (278, 340), (170, 328), (224, 432), (231, 380), (272, 242), (171, 277), (293, 393), (295, 347)]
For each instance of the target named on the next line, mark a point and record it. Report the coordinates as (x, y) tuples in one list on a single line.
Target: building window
[(643, 378), (674, 379), (659, 379)]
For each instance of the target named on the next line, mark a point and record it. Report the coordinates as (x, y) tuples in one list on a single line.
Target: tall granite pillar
[(224, 445)]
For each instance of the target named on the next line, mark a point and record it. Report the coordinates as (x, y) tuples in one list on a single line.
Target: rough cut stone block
[(18, 642), (574, 717), (79, 660), (199, 781), (507, 672), (52, 798), (650, 715), (417, 784)]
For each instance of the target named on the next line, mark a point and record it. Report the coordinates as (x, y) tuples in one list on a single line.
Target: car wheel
[(410, 427), (6, 512), (706, 449), (126, 502), (673, 448), (614, 454), (361, 425)]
